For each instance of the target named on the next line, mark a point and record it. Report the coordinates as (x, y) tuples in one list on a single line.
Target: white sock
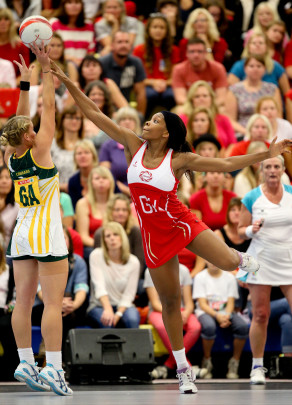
[(27, 355), (180, 358), (257, 362), (54, 358)]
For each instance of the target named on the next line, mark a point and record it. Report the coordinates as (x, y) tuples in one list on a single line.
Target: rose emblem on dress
[(145, 176)]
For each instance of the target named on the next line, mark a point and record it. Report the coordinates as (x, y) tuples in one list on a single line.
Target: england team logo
[(145, 176)]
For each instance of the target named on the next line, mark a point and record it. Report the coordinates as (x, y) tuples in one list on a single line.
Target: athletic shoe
[(257, 376), (186, 381), (29, 374), (55, 379), (159, 372), (207, 363), (199, 372), (249, 263), (232, 373)]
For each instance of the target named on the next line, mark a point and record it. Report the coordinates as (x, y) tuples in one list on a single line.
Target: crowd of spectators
[(225, 67)]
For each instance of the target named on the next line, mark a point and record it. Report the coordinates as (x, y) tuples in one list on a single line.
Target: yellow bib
[(27, 192)]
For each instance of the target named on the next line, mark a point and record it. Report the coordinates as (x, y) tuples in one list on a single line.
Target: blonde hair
[(123, 13), (14, 129), (12, 34), (248, 171), (125, 249), (252, 120), (212, 127), (110, 207), (129, 112), (263, 5), (212, 33), (280, 157), (88, 145), (103, 172), (269, 63), (188, 106), (262, 100)]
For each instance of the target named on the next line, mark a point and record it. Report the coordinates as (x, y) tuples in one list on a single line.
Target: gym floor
[(215, 392)]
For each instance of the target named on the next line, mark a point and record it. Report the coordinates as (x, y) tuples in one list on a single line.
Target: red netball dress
[(167, 226)]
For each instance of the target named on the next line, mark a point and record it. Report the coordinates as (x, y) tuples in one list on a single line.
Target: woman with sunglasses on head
[(156, 163)]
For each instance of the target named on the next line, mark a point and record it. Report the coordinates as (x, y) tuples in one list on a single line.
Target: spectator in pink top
[(78, 36)]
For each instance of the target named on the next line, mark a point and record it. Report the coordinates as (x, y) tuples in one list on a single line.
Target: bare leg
[(207, 347), (53, 279), (26, 282), (166, 282), (210, 247), (238, 345), (260, 299)]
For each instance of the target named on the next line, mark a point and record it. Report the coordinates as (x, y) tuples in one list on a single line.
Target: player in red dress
[(156, 162)]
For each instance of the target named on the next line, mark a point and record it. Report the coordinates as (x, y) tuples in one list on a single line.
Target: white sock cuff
[(26, 354), (54, 358)]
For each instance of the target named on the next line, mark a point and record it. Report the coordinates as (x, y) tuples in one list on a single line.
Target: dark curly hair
[(63, 17)]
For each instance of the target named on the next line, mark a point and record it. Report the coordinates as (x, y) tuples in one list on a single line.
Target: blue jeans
[(130, 319), (154, 99), (239, 328)]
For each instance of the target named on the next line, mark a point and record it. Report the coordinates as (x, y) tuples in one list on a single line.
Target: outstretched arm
[(93, 113), (25, 76), (195, 162)]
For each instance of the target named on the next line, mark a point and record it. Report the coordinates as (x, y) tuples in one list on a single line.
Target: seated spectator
[(69, 132), (158, 56), (75, 295), (8, 208), (85, 159), (191, 325), (114, 18), (7, 301), (70, 24), (215, 291), (126, 70), (282, 129), (91, 208), (198, 67), (275, 73), (57, 54), (288, 60), (7, 76), (201, 24), (118, 209), (99, 93), (114, 274), (111, 153), (22, 9), (242, 97), (276, 34), (210, 204), (229, 24), (10, 43), (68, 210), (170, 8), (201, 94), (90, 70), (186, 7), (258, 128)]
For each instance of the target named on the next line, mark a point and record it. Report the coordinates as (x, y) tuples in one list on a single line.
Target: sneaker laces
[(186, 377), (261, 369)]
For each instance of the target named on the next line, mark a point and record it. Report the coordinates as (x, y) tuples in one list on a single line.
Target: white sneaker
[(207, 364), (159, 372), (29, 374), (232, 373), (199, 372), (55, 379), (249, 263), (186, 381), (257, 376)]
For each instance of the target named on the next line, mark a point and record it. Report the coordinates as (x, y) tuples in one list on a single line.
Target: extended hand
[(25, 72), (42, 55), (276, 149)]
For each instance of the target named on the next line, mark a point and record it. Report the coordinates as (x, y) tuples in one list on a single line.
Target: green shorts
[(48, 258)]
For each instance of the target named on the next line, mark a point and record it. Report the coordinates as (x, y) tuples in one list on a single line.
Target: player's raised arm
[(195, 162), (93, 113)]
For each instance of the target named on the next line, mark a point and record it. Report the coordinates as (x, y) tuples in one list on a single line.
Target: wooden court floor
[(215, 392)]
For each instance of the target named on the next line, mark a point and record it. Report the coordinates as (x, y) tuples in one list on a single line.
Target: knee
[(260, 316), (284, 320), (171, 303)]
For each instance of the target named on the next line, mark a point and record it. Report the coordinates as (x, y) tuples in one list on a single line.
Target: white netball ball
[(35, 28)]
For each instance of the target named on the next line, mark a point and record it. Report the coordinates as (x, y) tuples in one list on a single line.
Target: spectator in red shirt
[(10, 43), (158, 56), (197, 67), (201, 24), (276, 34), (210, 204)]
